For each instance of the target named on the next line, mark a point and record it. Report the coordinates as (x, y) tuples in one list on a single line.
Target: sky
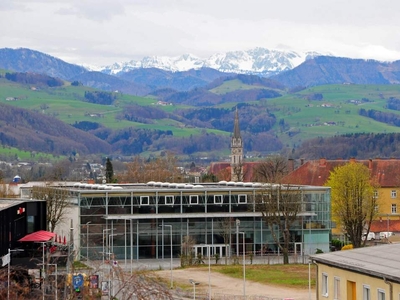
[(102, 32)]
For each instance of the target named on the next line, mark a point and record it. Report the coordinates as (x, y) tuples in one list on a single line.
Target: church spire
[(236, 151), (236, 129)]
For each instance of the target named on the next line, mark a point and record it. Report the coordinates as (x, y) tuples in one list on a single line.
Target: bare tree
[(57, 203), (271, 170), (187, 254), (225, 224), (159, 169), (280, 205)]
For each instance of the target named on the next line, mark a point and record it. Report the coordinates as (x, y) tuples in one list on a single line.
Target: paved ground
[(221, 284)]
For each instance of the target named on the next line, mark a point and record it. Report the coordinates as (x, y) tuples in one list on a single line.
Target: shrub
[(347, 247)]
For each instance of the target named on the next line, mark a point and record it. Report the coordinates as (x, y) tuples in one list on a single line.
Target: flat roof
[(381, 261), (7, 203)]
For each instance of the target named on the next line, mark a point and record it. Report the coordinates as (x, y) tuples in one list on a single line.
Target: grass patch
[(293, 275)]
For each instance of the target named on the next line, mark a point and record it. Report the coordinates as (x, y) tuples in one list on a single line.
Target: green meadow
[(336, 114)]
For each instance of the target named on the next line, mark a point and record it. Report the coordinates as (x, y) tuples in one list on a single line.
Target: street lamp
[(87, 240), (111, 251), (105, 236), (8, 270), (244, 265), (237, 236), (194, 283), (170, 227)]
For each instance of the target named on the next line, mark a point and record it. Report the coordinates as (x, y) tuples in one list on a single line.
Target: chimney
[(322, 162), (290, 164), (352, 160), (370, 163), (301, 161)]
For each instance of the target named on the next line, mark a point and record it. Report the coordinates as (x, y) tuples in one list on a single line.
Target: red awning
[(38, 236)]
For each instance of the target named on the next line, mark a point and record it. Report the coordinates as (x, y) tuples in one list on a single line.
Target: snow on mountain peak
[(259, 61)]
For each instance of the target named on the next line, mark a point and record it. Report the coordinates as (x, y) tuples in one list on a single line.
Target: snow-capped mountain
[(259, 61)]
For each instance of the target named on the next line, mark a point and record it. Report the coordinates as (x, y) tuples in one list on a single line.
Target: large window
[(242, 199), (336, 288), (144, 200), (194, 199), (169, 200), (218, 199), (324, 287), (381, 294), (394, 208), (366, 292), (394, 194)]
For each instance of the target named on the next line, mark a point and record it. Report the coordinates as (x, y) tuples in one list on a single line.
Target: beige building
[(365, 273)]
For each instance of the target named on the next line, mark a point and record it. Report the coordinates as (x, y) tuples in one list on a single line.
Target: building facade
[(364, 273), (144, 221)]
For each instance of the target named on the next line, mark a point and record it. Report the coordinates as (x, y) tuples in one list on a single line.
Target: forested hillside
[(33, 131), (361, 146)]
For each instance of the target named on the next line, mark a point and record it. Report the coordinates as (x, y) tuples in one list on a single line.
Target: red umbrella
[(65, 240), (55, 238), (59, 239)]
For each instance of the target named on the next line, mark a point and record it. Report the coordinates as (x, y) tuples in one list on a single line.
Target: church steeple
[(236, 129), (236, 151)]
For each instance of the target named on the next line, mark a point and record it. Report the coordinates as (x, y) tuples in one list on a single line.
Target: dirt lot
[(221, 284)]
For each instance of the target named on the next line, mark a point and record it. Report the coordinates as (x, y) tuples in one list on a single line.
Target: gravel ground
[(221, 284)]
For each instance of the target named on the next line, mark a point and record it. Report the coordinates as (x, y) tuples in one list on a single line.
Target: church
[(237, 169)]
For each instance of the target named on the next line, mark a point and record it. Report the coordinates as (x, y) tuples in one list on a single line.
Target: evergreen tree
[(109, 171)]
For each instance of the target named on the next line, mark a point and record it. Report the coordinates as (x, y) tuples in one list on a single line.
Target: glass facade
[(141, 221)]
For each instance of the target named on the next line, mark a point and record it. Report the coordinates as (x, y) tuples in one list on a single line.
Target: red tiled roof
[(218, 168), (382, 225), (316, 172)]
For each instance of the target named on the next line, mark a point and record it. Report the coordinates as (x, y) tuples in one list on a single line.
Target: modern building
[(363, 273), (144, 221)]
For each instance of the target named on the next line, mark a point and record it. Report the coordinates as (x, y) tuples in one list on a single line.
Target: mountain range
[(257, 61), (188, 72), (191, 112)]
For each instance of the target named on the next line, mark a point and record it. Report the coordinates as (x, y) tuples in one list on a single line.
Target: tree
[(109, 171), (163, 169), (57, 203), (353, 201), (271, 170), (225, 224), (279, 206)]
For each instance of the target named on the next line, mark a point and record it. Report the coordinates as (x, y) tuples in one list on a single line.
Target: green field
[(335, 114)]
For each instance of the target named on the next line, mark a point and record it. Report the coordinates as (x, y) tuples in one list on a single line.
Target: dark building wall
[(19, 220)]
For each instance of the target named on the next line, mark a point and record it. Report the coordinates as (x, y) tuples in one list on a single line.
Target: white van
[(370, 237), (385, 234)]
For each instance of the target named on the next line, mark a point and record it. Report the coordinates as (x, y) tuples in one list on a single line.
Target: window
[(381, 294), (218, 199), (324, 284), (366, 292), (169, 200), (394, 194), (194, 199), (394, 208), (336, 288), (375, 194), (242, 199), (144, 200)]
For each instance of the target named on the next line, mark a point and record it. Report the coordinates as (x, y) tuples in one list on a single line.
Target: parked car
[(370, 237)]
